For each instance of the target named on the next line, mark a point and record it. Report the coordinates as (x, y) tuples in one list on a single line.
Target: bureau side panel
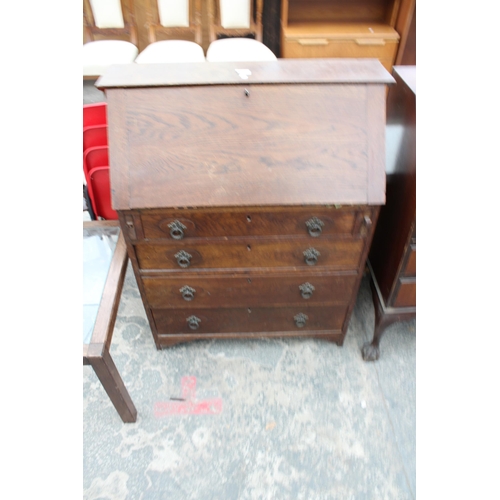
[(118, 149), (129, 230)]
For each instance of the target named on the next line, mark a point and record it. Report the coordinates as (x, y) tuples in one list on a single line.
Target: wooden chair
[(110, 35), (235, 18), (174, 32)]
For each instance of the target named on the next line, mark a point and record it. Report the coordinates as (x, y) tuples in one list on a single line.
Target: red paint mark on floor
[(190, 406)]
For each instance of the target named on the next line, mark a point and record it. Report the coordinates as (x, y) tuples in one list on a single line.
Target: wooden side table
[(104, 267)]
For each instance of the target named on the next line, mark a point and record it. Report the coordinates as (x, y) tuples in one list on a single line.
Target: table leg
[(107, 373), (384, 317)]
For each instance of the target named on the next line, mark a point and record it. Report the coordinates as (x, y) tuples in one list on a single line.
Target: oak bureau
[(247, 192)]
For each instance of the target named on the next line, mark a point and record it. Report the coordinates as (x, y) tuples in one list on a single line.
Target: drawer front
[(251, 253), (406, 296), (410, 268), (263, 319), (385, 50), (186, 224), (248, 290)]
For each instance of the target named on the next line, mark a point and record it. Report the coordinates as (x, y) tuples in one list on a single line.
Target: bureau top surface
[(234, 73), (309, 133)]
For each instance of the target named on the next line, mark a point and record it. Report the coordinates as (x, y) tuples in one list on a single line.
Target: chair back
[(95, 157), (174, 20), (238, 50), (100, 193), (109, 20), (96, 135), (235, 18), (94, 114)]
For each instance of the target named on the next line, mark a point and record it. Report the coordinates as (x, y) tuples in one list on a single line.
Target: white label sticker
[(243, 73)]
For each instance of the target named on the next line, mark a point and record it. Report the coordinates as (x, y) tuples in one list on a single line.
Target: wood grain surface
[(280, 145), (230, 290), (253, 221), (251, 253)]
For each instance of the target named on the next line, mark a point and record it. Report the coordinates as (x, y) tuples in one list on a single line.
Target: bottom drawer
[(244, 320)]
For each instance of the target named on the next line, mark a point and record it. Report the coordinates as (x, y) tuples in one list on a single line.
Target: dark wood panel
[(254, 221), (221, 290), (410, 268), (229, 320), (271, 25), (397, 218), (252, 253), (406, 294)]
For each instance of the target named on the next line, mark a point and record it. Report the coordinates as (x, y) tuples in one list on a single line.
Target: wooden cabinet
[(247, 194), (336, 28), (393, 254)]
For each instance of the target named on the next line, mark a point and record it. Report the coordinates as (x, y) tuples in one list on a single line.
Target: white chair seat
[(238, 49), (99, 55), (171, 51)]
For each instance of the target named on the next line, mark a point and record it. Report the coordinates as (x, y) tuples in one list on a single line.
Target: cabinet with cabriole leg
[(393, 255)]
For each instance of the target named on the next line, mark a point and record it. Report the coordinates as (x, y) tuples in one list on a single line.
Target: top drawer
[(258, 221)]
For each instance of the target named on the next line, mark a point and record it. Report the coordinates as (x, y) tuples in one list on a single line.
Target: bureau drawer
[(191, 290), (251, 253), (252, 221), (258, 319)]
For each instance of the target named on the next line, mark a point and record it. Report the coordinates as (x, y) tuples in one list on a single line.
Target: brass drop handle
[(311, 256), (300, 320), (306, 290), (193, 322), (183, 258), (315, 226), (187, 293), (177, 230)]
